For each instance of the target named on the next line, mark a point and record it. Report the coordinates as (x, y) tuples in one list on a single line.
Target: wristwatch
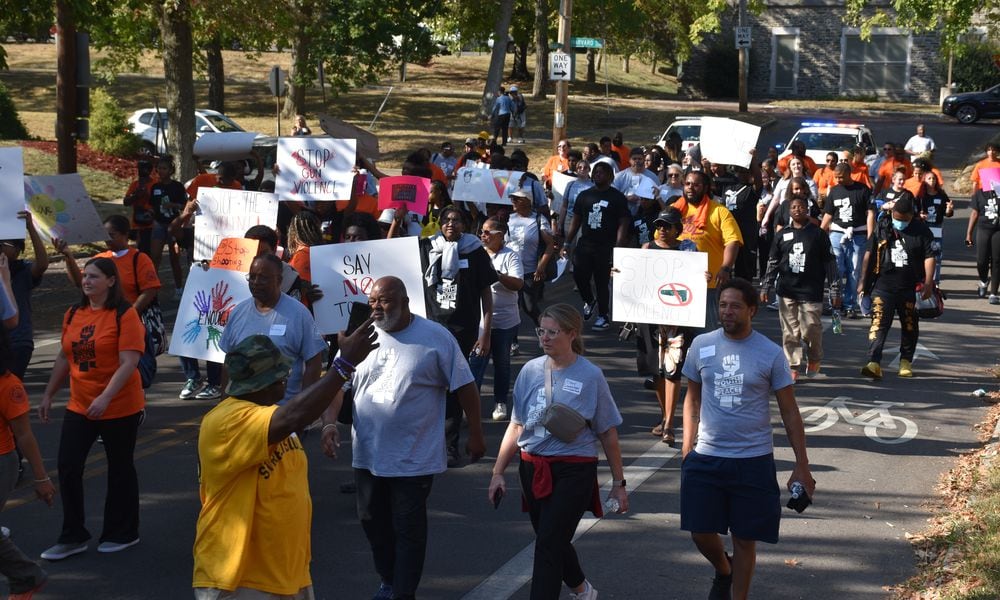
[(618, 483), (728, 270)]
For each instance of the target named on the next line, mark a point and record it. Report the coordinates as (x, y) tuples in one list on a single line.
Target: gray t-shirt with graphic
[(582, 387), (737, 380), (399, 400)]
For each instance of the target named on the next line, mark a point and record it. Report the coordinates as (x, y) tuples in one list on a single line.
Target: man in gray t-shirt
[(728, 479)]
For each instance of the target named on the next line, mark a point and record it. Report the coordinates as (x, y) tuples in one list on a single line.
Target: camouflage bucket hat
[(254, 364)]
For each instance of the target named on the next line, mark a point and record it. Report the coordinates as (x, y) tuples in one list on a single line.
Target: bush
[(973, 69), (11, 127), (110, 131), (722, 73)]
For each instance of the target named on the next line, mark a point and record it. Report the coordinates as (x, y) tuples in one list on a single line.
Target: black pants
[(987, 255), (746, 263), (502, 125), (554, 520), (466, 337), (121, 506), (593, 262), (884, 305), (529, 298), (393, 513)]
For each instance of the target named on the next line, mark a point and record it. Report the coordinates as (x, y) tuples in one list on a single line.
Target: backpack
[(147, 362)]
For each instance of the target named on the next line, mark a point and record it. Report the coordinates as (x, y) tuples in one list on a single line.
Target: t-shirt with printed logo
[(849, 205), (13, 404), (137, 274), (600, 212)]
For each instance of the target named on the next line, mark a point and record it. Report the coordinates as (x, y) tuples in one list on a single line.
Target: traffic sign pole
[(562, 85), (744, 58)]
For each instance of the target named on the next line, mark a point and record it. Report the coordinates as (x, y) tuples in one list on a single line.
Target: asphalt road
[(849, 544)]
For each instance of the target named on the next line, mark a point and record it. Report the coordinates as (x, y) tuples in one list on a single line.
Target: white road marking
[(920, 351)]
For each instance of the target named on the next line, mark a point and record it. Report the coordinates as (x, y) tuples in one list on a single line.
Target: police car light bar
[(832, 124)]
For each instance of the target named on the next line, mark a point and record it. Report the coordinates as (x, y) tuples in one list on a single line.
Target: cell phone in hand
[(497, 497), (360, 312)]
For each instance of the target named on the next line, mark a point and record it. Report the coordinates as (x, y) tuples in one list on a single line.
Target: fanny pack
[(560, 420)]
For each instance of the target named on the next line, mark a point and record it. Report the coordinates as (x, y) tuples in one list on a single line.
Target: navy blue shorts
[(738, 495)]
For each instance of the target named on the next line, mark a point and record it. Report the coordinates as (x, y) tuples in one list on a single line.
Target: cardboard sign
[(61, 208), (559, 183), (227, 213), (367, 141), (235, 254), (728, 141), (315, 168), (209, 297), (346, 273), (987, 177), (661, 287), (485, 186), (11, 193), (404, 190)]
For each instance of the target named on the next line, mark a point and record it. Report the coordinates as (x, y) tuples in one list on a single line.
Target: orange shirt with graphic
[(986, 163), (144, 202), (13, 404), (91, 343), (555, 164), (146, 278), (808, 163)]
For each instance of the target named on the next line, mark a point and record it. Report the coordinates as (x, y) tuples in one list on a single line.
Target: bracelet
[(340, 371), (46, 480), (344, 362), (334, 425)]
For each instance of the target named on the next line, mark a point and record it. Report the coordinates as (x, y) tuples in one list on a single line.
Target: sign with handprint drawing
[(209, 296)]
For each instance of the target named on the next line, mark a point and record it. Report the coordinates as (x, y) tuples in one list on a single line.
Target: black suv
[(971, 106)]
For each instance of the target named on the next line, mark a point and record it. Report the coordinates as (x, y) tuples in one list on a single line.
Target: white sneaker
[(210, 392), (500, 412), (5, 531), (61, 551), (981, 289), (588, 593), (109, 547), (601, 323), (192, 387)]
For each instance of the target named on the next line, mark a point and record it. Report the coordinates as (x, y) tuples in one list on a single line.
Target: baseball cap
[(446, 146), (513, 88), (484, 135), (522, 192), (470, 141), (254, 364), (670, 217)]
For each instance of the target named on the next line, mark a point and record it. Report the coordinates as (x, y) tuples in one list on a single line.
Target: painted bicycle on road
[(878, 423)]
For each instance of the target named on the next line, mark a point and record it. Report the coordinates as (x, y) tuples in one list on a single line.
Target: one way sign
[(560, 67)]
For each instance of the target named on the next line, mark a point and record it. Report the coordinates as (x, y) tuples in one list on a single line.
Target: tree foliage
[(974, 67), (11, 127), (110, 131), (25, 20), (952, 18)]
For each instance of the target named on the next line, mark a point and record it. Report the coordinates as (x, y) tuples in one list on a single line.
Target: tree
[(23, 20), (177, 47), (494, 75), (951, 17), (541, 49)]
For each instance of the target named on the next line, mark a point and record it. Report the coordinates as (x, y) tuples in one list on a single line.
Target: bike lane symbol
[(878, 423)]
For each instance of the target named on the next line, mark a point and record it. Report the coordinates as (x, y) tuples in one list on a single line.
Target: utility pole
[(562, 87), (744, 50), (65, 87)]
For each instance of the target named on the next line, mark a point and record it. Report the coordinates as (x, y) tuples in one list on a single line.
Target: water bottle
[(838, 328), (797, 490), (800, 499), (611, 505)]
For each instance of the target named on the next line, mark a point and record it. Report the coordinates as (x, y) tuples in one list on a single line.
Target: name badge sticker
[(603, 203), (788, 236), (573, 386), (706, 352), (463, 263), (277, 329)]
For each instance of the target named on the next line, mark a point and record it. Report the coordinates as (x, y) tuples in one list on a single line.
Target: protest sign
[(485, 186), (728, 141), (404, 190), (209, 296), (367, 144), (61, 208), (659, 287), (559, 183), (228, 213), (346, 272), (235, 254), (315, 168), (11, 193), (987, 177), (224, 145)]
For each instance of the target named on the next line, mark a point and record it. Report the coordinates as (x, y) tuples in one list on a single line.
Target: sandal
[(658, 429), (668, 437)]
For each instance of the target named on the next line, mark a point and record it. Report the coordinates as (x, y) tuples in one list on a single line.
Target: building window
[(784, 60), (880, 64)]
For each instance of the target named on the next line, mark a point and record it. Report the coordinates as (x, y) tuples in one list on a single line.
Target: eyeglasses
[(258, 277), (452, 220), (542, 332), (673, 174), (489, 232)]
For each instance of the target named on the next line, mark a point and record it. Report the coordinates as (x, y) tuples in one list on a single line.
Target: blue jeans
[(500, 341), (190, 368), (849, 257)]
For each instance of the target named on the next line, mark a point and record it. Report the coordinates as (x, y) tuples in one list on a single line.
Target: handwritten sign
[(11, 193), (61, 208), (485, 186), (346, 273), (404, 190), (315, 168), (209, 297), (728, 141), (235, 254), (987, 177), (661, 287), (228, 214)]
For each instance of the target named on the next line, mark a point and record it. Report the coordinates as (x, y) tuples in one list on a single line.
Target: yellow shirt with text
[(256, 512)]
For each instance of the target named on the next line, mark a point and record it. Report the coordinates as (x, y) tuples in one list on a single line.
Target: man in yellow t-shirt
[(714, 230), (252, 537)]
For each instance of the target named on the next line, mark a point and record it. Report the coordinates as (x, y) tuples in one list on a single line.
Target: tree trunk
[(495, 73), (541, 49), (216, 75), (591, 71), (626, 62), (175, 34), (600, 59), (652, 65), (301, 74), (520, 70)]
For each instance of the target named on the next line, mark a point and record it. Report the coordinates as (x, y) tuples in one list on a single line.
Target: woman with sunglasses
[(559, 478)]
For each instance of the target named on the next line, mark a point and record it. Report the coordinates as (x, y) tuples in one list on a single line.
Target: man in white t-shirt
[(920, 145)]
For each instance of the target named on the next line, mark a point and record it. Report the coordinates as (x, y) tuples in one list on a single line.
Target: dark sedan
[(972, 106)]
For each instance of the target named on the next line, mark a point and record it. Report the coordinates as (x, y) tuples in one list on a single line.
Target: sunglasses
[(490, 232)]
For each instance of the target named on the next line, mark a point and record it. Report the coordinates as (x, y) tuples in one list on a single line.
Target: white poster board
[(224, 145), (559, 183), (485, 186), (728, 141), (315, 168), (61, 208), (346, 273), (11, 193), (209, 296), (225, 213), (661, 287)]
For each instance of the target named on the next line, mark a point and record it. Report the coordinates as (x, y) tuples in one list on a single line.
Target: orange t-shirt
[(888, 168), (146, 277), (808, 163), (437, 174), (144, 202), (986, 163), (859, 173), (624, 154), (300, 262), (209, 180), (13, 404), (825, 179), (91, 343), (555, 164)]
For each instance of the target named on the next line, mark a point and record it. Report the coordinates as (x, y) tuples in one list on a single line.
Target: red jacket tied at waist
[(541, 480)]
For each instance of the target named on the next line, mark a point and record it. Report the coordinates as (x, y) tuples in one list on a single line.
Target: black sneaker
[(722, 585), (588, 311)]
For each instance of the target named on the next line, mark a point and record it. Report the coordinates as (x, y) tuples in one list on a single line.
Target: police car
[(822, 138), (689, 130)]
